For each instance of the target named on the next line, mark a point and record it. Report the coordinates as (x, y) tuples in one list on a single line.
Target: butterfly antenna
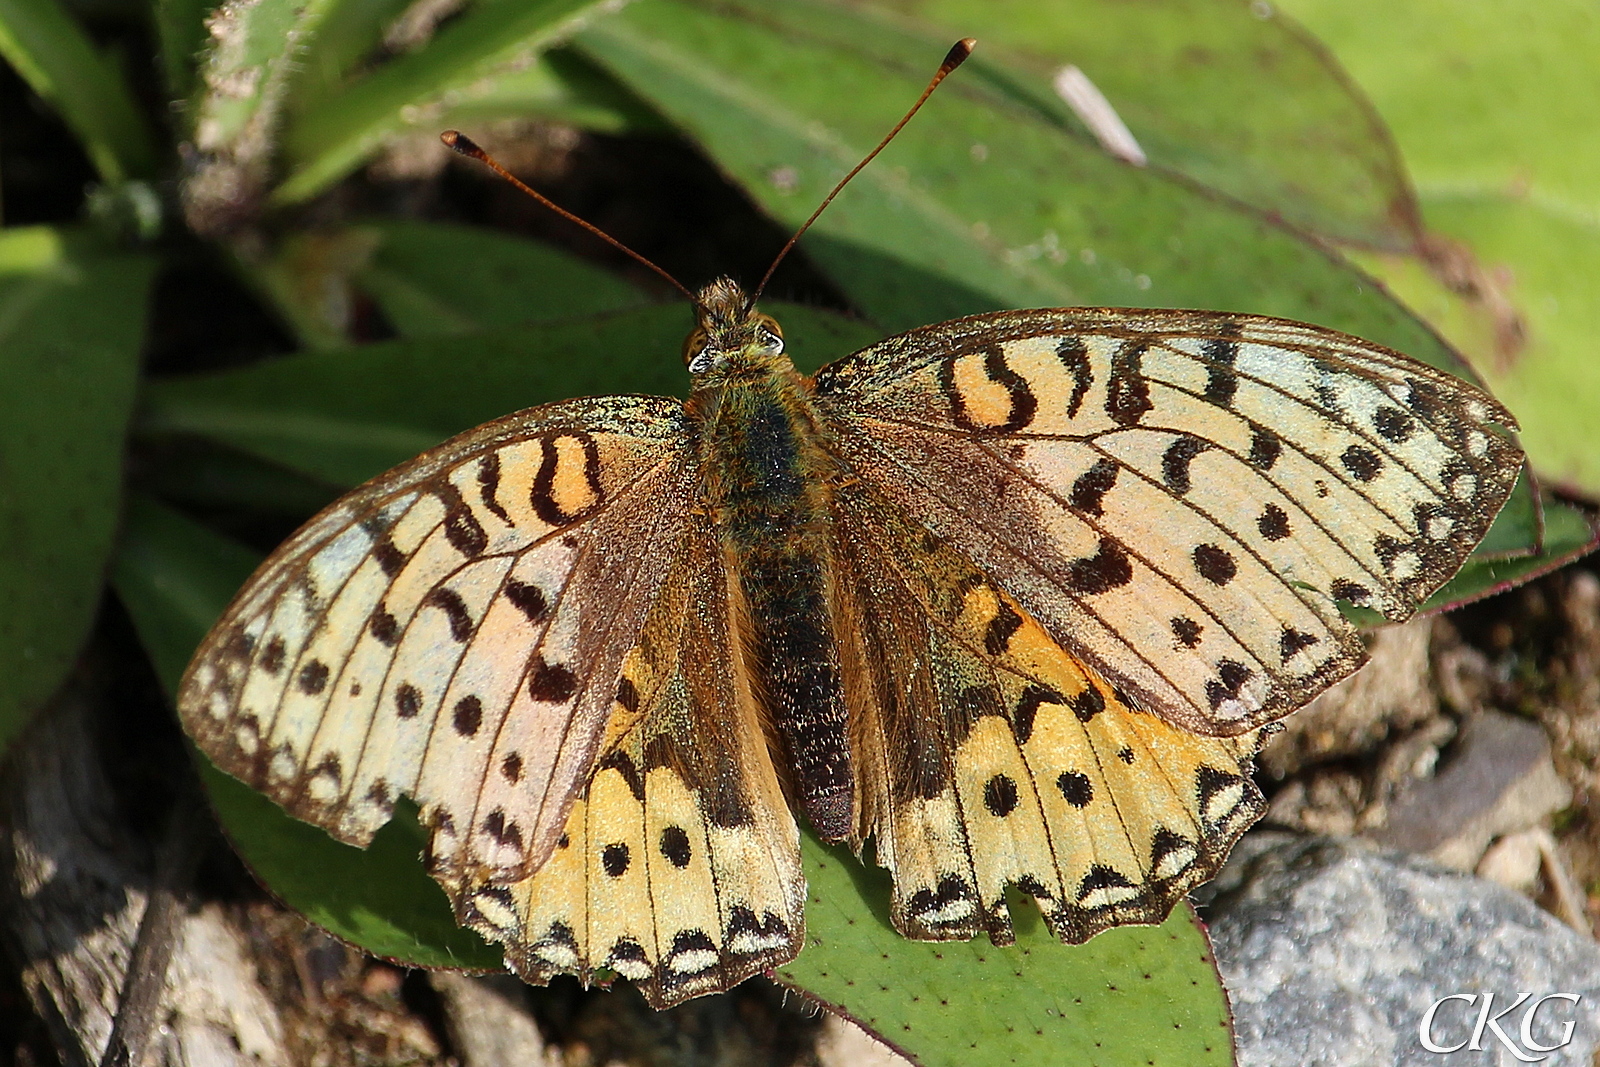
[(465, 145), (954, 58)]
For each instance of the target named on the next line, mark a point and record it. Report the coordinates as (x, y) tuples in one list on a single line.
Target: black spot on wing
[(998, 634), (1363, 463), (1175, 462), (1187, 631), (1076, 788), (1075, 357), (489, 486), (449, 601), (273, 655), (384, 627), (467, 716), (675, 846), (550, 683), (1087, 703), (1000, 796), (461, 527), (1231, 676), (1354, 592), (313, 677), (1215, 564), (1221, 353), (1273, 523), (1393, 425), (615, 859), (1265, 448), (407, 700), (511, 767), (1127, 390), (1090, 487), (1107, 569), (1293, 642), (528, 599)]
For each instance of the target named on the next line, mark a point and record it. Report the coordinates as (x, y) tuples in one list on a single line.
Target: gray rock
[(1501, 780), (1332, 952)]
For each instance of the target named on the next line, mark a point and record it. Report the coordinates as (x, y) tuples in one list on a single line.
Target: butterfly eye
[(702, 359)]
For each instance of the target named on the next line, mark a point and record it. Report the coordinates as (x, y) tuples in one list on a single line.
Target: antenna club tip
[(460, 142), (958, 53)]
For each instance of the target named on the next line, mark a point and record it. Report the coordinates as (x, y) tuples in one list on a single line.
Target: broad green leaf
[(328, 142), (1482, 98), (435, 278), (1489, 106), (936, 228), (175, 577), (71, 323), (1228, 94), (1131, 995), (978, 204), (557, 86), (59, 62), (345, 416)]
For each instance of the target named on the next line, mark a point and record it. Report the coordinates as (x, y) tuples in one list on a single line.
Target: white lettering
[(1425, 1028), (1527, 1024)]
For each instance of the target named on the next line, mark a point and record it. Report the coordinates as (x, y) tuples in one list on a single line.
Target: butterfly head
[(730, 335)]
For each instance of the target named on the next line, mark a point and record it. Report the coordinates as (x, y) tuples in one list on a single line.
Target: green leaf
[(1482, 98), (1135, 994), (71, 322), (1485, 104), (181, 33), (328, 142), (1229, 95), (935, 229), (59, 62), (433, 278), (175, 577), (350, 32), (557, 86), (344, 416), (253, 55)]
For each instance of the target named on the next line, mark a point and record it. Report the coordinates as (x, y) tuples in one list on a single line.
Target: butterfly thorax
[(770, 471)]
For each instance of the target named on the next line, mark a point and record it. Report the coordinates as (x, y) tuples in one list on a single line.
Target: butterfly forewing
[(1182, 498), (990, 757), (454, 631), (679, 867)]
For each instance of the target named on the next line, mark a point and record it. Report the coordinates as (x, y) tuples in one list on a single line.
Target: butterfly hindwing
[(990, 757), (453, 631), (1182, 498), (679, 867)]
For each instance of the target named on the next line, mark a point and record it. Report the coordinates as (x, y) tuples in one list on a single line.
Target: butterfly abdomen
[(769, 475)]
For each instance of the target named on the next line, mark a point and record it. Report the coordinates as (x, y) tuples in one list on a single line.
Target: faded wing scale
[(1011, 596)]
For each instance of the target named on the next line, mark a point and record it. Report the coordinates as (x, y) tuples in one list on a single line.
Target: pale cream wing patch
[(1181, 498), (679, 866), (453, 631), (989, 757)]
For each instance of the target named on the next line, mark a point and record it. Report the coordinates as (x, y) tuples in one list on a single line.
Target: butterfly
[(1013, 598)]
